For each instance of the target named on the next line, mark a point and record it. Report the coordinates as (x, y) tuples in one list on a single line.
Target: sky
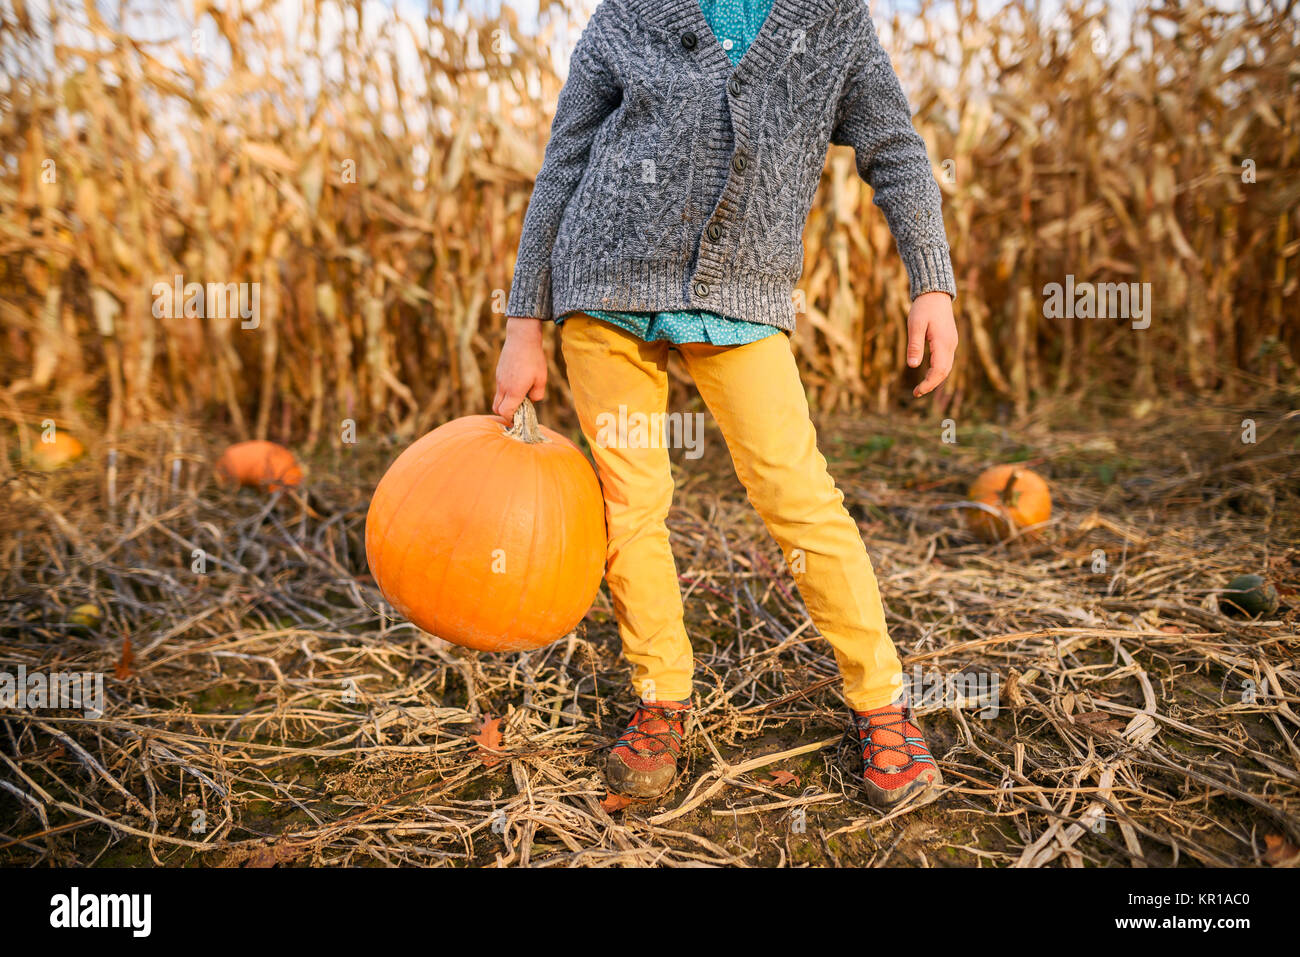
[(155, 20), (160, 22)]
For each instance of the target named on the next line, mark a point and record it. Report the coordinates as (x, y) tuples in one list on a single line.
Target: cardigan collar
[(770, 46)]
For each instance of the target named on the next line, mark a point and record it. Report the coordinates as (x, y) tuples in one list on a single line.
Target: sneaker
[(643, 762), (896, 764)]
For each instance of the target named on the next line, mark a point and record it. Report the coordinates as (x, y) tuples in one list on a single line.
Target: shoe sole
[(922, 791), (639, 785)]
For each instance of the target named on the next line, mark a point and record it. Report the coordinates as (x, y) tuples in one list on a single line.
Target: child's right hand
[(521, 370)]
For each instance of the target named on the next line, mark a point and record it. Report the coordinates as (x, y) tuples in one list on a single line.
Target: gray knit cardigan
[(673, 181)]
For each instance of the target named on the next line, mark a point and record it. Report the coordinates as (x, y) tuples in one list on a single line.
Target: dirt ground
[(272, 711)]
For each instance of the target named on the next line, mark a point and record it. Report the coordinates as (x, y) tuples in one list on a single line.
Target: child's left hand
[(930, 320)]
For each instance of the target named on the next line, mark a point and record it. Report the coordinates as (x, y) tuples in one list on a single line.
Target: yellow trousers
[(755, 395)]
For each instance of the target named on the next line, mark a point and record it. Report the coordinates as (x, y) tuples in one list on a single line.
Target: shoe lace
[(899, 721), (671, 739)]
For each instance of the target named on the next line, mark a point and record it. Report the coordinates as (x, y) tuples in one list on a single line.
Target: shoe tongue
[(880, 729), (657, 709), (887, 714), (890, 758), (652, 714)]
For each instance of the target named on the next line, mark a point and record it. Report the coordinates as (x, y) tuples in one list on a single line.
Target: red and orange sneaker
[(896, 764), (643, 762)]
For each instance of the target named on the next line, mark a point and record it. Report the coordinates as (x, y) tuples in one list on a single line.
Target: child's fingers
[(510, 399), (930, 382), (916, 327), (509, 402), (941, 355)]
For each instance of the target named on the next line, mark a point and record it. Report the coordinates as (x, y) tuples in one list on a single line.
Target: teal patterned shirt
[(735, 23)]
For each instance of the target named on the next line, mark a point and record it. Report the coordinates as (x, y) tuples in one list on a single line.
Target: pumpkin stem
[(1008, 494), (525, 426)]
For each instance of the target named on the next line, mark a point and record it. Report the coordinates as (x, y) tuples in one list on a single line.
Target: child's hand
[(521, 370), (930, 320)]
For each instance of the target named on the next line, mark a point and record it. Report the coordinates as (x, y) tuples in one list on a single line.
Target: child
[(687, 144)]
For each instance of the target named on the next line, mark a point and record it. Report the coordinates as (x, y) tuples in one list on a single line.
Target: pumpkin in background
[(1017, 498), (57, 452), (85, 616), (489, 537), (1250, 595), (259, 464)]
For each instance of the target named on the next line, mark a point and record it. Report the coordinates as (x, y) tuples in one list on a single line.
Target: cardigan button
[(702, 290), (734, 85), (738, 163), (688, 40), (714, 232)]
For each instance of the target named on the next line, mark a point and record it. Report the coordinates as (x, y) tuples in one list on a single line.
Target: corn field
[(370, 174), (342, 186)]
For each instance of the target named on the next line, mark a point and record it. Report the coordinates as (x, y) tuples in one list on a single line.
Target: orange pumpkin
[(1016, 498), (488, 536), (58, 451), (259, 464)]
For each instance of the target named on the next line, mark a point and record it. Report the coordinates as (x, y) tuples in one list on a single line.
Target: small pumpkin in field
[(259, 464), (85, 616), (489, 536), (56, 451), (1250, 595), (1016, 498)]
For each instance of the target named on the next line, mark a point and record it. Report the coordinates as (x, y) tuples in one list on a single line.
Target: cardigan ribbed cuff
[(929, 269), (530, 292)]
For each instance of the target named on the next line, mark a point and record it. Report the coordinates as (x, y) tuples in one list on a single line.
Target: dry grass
[(1121, 696), (274, 695), (379, 209)]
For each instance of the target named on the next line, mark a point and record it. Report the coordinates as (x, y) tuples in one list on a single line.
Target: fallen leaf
[(1012, 689), (1099, 721), (489, 740), (273, 855), (123, 669), (1279, 852), (615, 802), (780, 779)]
